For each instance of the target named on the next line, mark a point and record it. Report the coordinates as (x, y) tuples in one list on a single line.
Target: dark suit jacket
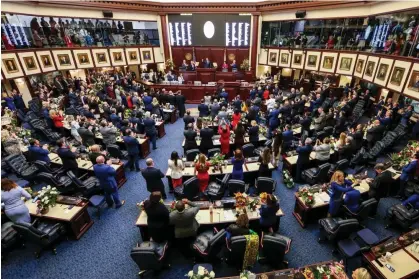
[(87, 136), (188, 119), (380, 185), (190, 142), (38, 153), (374, 134), (304, 154), (132, 145), (206, 137), (106, 175), (153, 178), (150, 126), (203, 110), (254, 134), (68, 158)]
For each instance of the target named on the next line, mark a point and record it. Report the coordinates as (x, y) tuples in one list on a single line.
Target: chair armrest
[(227, 245), (215, 230), (35, 222), (83, 176), (347, 211), (261, 239), (54, 229), (288, 246), (274, 185)]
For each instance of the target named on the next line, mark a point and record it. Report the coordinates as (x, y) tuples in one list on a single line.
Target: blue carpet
[(104, 251)]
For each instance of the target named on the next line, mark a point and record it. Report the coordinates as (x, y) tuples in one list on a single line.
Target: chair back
[(376, 149), (345, 228), (265, 184), (321, 175), (216, 243), (191, 188), (340, 165), (149, 255), (237, 247), (43, 166), (274, 248), (235, 186), (114, 151), (366, 208), (29, 232), (191, 154), (213, 151), (49, 179), (248, 150), (328, 131), (75, 179), (321, 135)]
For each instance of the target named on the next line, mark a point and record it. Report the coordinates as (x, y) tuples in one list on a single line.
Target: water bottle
[(211, 212)]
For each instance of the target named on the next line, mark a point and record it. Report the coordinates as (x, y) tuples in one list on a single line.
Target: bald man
[(153, 178), (106, 175)]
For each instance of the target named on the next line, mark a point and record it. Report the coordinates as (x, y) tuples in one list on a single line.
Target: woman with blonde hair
[(361, 273), (339, 185), (156, 107), (341, 142), (202, 167)]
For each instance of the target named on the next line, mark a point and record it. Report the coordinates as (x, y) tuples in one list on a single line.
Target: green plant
[(245, 65), (288, 181), (217, 159), (202, 273), (169, 63)]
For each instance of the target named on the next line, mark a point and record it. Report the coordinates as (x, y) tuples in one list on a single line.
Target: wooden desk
[(173, 114), (77, 218), (160, 129), (297, 131), (217, 143)]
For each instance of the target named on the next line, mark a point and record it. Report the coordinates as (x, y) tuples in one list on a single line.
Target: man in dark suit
[(188, 119), (207, 63), (115, 119), (190, 135), (358, 137), (203, 109), (303, 160), (172, 98), (180, 103), (153, 178), (206, 135), (58, 85), (133, 149), (68, 157), (380, 185), (375, 133), (150, 129), (215, 109), (305, 122), (237, 103), (287, 137), (224, 94), (273, 120), (105, 173), (36, 152), (408, 173), (252, 93), (87, 135), (147, 102)]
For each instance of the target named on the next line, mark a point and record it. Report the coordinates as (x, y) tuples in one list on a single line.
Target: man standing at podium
[(207, 63), (233, 65)]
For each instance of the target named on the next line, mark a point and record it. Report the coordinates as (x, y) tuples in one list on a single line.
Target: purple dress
[(14, 206), (237, 169)]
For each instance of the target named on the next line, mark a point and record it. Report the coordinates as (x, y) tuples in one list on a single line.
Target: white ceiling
[(208, 1)]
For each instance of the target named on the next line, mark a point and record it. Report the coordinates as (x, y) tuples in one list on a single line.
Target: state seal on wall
[(188, 56), (231, 57)]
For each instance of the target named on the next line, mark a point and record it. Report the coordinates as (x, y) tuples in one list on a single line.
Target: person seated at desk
[(224, 66), (408, 172), (241, 227), (224, 132), (303, 160), (11, 197), (413, 200), (36, 152), (352, 199), (234, 66), (338, 185), (203, 109), (254, 133), (268, 214), (68, 157), (206, 63), (157, 217), (322, 151)]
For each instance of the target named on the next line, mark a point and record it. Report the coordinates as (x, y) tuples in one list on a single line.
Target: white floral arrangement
[(47, 197), (247, 275), (202, 273), (288, 180)]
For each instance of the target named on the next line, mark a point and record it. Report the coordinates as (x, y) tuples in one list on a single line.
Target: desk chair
[(403, 216), (235, 186), (316, 175), (274, 248), (236, 248), (191, 154), (258, 151), (265, 184), (248, 150), (63, 183), (9, 238), (149, 256), (333, 229), (21, 167), (341, 165), (208, 244), (116, 152), (97, 202), (45, 167), (42, 234), (189, 189), (215, 190), (88, 187), (328, 131), (364, 211), (213, 151)]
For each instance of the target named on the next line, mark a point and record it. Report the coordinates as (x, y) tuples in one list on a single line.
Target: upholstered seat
[(316, 175), (215, 190), (337, 228), (189, 189), (364, 211), (265, 184), (191, 154), (208, 244), (274, 248), (403, 216), (248, 150), (235, 186), (116, 152), (150, 255)]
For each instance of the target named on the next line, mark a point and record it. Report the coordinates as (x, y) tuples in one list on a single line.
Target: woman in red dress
[(202, 167), (266, 94), (129, 101), (224, 132), (236, 118)]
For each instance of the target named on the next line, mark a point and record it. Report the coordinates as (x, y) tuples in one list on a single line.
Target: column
[(254, 42), (165, 37)]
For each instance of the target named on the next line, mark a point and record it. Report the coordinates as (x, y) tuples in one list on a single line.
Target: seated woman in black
[(268, 214), (241, 227), (157, 217), (264, 160)]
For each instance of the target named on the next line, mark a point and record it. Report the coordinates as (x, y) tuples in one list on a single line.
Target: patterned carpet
[(104, 251)]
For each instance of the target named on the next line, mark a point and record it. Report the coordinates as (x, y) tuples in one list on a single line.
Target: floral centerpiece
[(170, 64), (46, 197), (127, 113), (245, 65), (247, 275), (288, 181), (263, 130), (202, 273), (263, 196), (306, 196), (403, 158), (325, 271), (243, 200), (216, 161)]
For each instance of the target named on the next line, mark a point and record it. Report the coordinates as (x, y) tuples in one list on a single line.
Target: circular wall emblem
[(188, 56), (231, 57), (209, 29)]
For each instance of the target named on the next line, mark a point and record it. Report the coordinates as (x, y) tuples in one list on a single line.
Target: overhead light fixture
[(185, 14), (245, 14)]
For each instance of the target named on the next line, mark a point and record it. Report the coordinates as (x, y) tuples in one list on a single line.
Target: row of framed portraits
[(386, 72), (18, 64)]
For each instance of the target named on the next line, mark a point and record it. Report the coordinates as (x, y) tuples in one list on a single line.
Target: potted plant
[(46, 197), (247, 275), (216, 161), (288, 181), (245, 65), (201, 273)]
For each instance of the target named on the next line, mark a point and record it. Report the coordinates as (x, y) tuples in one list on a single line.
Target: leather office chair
[(341, 165), (21, 167), (45, 167), (9, 238), (150, 255), (215, 190), (321, 135), (364, 211), (274, 248), (328, 131), (208, 244), (42, 234), (35, 105), (116, 152), (88, 187), (62, 183), (236, 248), (334, 229), (258, 151), (376, 150), (389, 139), (213, 151), (316, 175), (403, 216), (400, 130), (248, 150), (265, 184), (189, 189), (191, 154), (235, 186)]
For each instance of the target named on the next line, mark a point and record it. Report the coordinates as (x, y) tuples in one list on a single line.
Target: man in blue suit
[(147, 102), (351, 201), (133, 149), (237, 103), (150, 129), (413, 200), (407, 173), (406, 115), (207, 63), (224, 94), (303, 160), (260, 92), (105, 173), (36, 152), (203, 109), (234, 65), (253, 93), (287, 137), (273, 120), (115, 119), (386, 120)]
